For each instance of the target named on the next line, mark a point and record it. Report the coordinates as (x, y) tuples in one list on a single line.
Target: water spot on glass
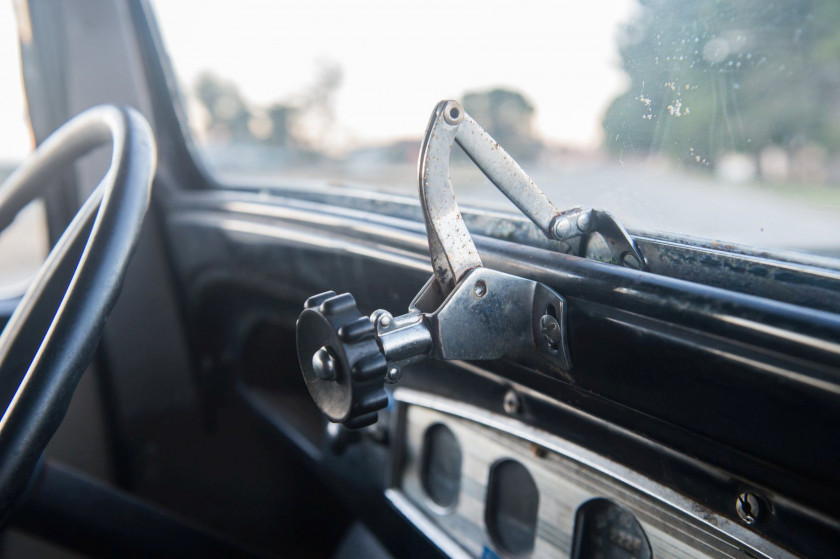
[(676, 108), (646, 102), (716, 50)]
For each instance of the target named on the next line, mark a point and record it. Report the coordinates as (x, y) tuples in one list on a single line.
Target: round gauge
[(440, 471), (512, 507), (608, 531)]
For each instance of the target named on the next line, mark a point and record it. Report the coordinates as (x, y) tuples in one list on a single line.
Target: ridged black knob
[(342, 364)]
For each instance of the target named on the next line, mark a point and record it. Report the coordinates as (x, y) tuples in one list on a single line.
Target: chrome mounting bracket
[(465, 311)]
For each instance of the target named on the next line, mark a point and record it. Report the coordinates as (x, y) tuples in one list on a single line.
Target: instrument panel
[(483, 485)]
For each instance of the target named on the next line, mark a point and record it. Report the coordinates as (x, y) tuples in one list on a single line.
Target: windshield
[(711, 119)]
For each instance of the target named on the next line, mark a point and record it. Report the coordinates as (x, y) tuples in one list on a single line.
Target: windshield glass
[(706, 118)]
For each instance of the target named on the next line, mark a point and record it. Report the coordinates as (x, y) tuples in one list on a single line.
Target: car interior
[(209, 364)]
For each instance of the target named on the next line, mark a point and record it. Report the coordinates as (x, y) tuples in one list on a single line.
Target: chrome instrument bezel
[(726, 537)]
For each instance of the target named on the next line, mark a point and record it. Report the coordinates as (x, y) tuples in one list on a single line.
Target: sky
[(399, 59)]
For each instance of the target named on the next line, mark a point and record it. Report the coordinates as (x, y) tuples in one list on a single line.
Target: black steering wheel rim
[(77, 286)]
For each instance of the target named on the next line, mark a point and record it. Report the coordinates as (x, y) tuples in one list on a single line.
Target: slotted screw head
[(748, 507)]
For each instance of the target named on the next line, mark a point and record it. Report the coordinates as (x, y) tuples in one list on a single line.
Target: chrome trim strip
[(710, 520)]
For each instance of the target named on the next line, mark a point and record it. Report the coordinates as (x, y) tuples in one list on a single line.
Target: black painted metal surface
[(89, 517), (730, 390)]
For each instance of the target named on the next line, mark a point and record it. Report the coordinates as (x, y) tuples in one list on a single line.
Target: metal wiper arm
[(452, 249), (465, 312)]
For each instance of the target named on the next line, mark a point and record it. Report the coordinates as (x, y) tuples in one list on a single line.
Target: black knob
[(342, 363)]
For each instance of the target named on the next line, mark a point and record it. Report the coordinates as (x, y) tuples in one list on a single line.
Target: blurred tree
[(315, 119), (282, 118), (708, 77), (229, 116), (304, 127), (508, 117)]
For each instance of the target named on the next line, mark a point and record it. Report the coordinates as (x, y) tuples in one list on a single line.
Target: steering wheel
[(52, 335)]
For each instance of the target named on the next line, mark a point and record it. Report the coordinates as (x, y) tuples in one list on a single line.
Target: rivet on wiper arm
[(562, 229)]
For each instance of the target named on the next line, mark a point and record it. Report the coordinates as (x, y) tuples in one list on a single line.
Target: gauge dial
[(604, 530), (441, 466), (512, 507)]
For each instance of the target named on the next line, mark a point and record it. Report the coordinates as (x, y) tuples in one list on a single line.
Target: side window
[(24, 244)]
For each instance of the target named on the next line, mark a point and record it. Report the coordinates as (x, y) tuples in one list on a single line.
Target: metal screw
[(324, 364), (562, 229), (480, 289), (747, 506), (550, 330), (393, 375), (511, 403), (584, 222)]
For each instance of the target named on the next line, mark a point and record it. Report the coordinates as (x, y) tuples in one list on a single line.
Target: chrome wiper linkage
[(452, 248), (465, 311)]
